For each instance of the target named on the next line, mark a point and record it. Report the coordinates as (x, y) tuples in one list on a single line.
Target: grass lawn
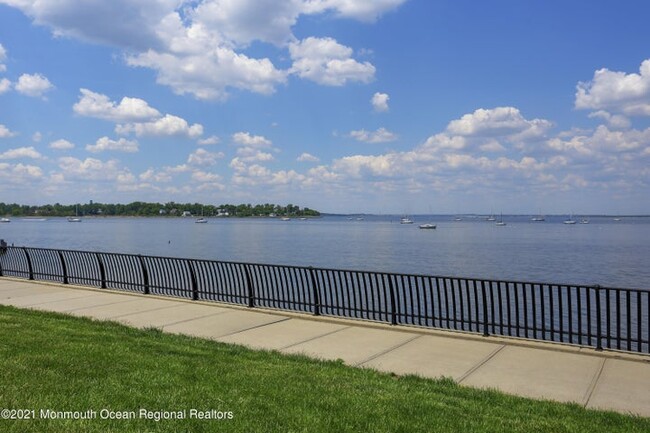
[(61, 363)]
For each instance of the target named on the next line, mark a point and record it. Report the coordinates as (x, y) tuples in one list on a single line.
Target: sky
[(344, 106)]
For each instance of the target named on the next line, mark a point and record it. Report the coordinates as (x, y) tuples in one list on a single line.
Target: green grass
[(52, 361)]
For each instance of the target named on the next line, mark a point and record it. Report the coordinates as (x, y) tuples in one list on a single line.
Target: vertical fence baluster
[(393, 303), (249, 288), (315, 292), (29, 264), (64, 268), (599, 331), (485, 310), (145, 275), (102, 271)]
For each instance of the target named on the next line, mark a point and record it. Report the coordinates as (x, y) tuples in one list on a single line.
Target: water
[(604, 252)]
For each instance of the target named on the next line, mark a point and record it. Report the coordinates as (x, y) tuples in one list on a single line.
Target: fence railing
[(600, 317)]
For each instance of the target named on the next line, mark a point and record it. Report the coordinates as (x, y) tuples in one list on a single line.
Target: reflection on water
[(602, 252)]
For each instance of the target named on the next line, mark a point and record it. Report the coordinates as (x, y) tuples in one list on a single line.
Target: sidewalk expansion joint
[(193, 318), (481, 363), (95, 306), (42, 303), (142, 311), (594, 382), (314, 338), (384, 352), (253, 327)]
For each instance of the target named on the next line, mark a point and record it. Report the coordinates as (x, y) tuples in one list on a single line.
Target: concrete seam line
[(40, 303), (384, 352), (481, 363), (315, 338), (133, 313), (594, 382), (251, 328), (194, 318), (93, 306)]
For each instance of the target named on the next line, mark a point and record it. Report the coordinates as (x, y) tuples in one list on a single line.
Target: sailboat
[(201, 220), (501, 222), (570, 220), (75, 219)]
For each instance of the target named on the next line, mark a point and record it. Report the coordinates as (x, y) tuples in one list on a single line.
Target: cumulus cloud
[(613, 120), (379, 102), (61, 144), (19, 174), (33, 85), (251, 154), (497, 121), (3, 57), (5, 85), (246, 139), (213, 139), (91, 169), (325, 61), (617, 92), (21, 153), (203, 157), (362, 10), (121, 145), (5, 132), (307, 157), (99, 106), (196, 47), (165, 126), (382, 135)]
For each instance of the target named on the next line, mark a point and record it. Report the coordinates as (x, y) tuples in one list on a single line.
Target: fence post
[(393, 303), (29, 264), (249, 287), (102, 271), (145, 275), (486, 333), (599, 342), (64, 268), (315, 292), (195, 285)]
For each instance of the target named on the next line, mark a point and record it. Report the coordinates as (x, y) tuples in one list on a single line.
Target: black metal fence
[(601, 317)]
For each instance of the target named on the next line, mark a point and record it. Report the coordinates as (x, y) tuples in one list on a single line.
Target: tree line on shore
[(170, 209)]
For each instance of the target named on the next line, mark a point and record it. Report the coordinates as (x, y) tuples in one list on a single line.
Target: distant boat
[(405, 220), (617, 219), (458, 219), (570, 220), (490, 218), (75, 219), (538, 218), (285, 219), (5, 220), (428, 226), (302, 218), (360, 219), (584, 221), (201, 221), (501, 223)]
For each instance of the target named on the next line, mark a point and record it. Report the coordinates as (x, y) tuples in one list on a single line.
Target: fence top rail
[(367, 272)]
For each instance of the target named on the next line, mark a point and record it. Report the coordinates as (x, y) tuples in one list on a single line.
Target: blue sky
[(389, 106)]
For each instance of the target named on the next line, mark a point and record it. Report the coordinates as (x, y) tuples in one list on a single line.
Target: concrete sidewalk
[(604, 380)]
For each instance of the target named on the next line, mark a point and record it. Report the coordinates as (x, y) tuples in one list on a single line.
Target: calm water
[(603, 252)]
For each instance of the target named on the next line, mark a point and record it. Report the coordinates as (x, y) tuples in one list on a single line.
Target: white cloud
[(19, 174), (121, 145), (209, 74), (21, 152), (307, 157), (203, 157), (33, 85), (91, 169), (613, 120), (204, 176), (246, 139), (196, 47), (165, 126), (379, 102), (252, 154), (61, 144), (5, 132), (325, 61), (617, 92), (99, 106), (382, 135), (362, 10), (36, 137), (213, 139), (3, 57), (497, 121), (5, 85)]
